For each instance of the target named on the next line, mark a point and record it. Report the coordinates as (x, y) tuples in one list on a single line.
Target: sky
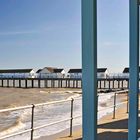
[(39, 33)]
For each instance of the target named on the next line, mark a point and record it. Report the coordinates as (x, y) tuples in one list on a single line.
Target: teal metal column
[(89, 68), (134, 70)]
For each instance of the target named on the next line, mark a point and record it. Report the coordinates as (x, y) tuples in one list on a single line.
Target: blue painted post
[(134, 70), (89, 68)]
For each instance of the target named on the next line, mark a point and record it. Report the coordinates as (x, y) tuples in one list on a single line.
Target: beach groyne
[(111, 83)]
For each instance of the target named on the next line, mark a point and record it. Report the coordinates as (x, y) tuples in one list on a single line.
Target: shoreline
[(62, 134), (77, 132)]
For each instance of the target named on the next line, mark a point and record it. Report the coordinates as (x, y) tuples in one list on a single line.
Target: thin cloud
[(18, 33)]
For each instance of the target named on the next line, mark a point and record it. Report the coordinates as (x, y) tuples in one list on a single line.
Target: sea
[(16, 121)]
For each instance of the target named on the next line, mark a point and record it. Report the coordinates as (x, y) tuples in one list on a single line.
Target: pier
[(110, 83)]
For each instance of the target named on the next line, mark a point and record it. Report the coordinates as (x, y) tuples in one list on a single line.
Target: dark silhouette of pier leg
[(2, 82), (32, 83), (39, 83), (26, 83), (104, 83), (7, 82), (19, 83)]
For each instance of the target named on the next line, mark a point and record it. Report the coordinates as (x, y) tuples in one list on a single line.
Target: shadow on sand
[(109, 134)]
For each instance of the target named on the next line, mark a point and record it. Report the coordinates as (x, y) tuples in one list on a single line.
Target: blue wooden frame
[(134, 69), (89, 68)]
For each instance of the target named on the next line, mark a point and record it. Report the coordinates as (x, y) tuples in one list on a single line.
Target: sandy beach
[(11, 97)]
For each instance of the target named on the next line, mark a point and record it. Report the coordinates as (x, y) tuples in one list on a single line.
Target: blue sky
[(38, 33)]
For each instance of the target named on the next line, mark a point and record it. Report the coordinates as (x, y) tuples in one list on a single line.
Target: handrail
[(15, 108), (15, 134), (117, 92), (53, 102), (77, 116), (36, 105)]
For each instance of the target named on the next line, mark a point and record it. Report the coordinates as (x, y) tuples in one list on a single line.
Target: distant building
[(77, 73), (126, 72), (102, 73), (50, 72), (17, 73), (38, 71), (116, 75)]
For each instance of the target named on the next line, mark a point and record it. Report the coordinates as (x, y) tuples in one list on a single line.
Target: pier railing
[(71, 118), (32, 107), (115, 104)]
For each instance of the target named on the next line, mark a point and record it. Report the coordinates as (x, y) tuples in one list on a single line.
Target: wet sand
[(11, 97)]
